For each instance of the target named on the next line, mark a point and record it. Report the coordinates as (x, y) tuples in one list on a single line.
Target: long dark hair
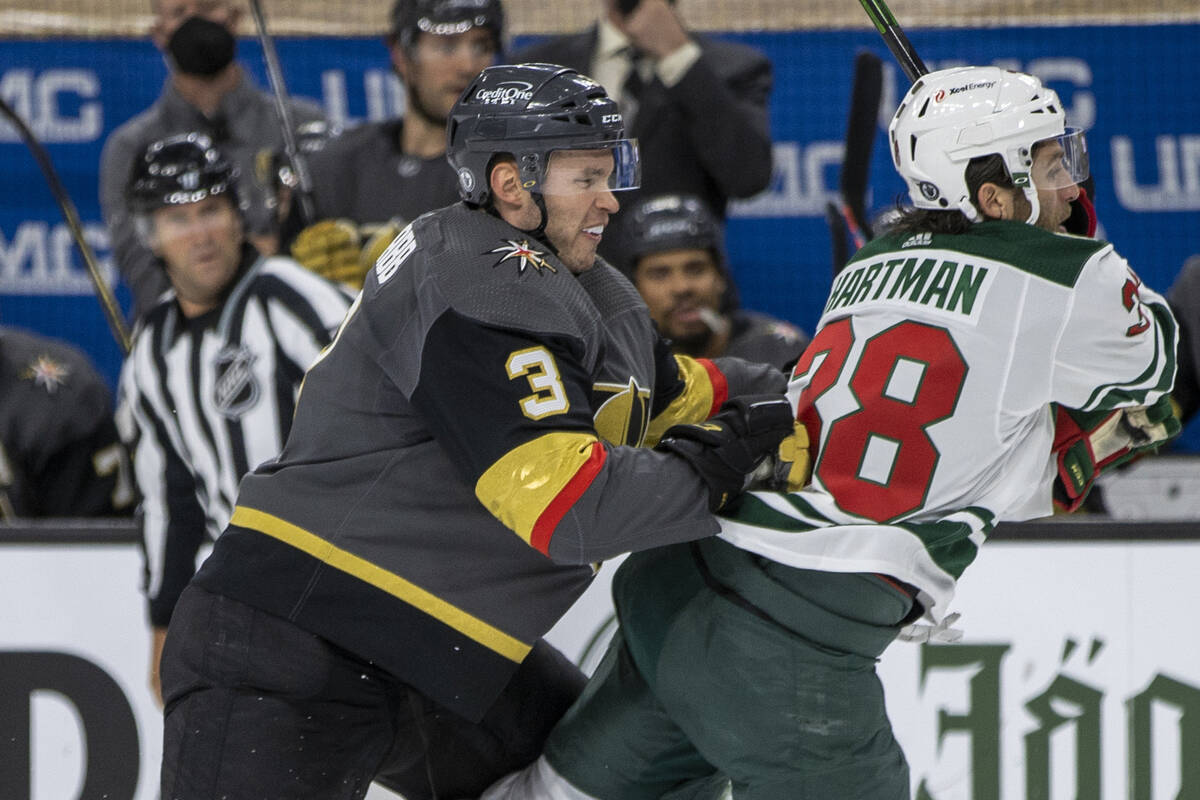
[(980, 170)]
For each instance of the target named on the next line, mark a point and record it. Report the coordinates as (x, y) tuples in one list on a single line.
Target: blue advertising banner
[(1142, 112)]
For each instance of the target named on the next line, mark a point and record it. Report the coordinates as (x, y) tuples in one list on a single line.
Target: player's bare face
[(578, 204), (678, 285), (201, 244), (1055, 191), (438, 69)]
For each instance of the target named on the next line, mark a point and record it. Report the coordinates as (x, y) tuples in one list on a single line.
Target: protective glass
[(611, 166), (1060, 161)]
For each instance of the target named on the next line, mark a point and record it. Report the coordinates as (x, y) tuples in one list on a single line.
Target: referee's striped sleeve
[(305, 310)]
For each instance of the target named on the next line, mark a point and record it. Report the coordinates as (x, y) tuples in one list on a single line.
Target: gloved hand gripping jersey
[(728, 448), (1086, 444)]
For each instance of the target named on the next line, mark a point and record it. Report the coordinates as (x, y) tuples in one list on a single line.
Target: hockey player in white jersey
[(971, 366)]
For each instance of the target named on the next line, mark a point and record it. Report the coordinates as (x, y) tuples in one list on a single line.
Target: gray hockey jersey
[(464, 451)]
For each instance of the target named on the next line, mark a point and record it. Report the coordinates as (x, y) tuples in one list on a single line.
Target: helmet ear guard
[(951, 116), (531, 111)]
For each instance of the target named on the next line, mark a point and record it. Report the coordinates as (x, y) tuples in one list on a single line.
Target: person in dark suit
[(697, 105)]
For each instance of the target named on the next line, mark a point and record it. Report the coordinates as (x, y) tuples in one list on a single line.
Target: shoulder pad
[(483, 268)]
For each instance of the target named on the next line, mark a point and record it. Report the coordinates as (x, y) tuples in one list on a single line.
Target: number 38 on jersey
[(877, 402)]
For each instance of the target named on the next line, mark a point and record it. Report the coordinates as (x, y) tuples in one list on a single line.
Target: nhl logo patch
[(235, 388), (524, 254)]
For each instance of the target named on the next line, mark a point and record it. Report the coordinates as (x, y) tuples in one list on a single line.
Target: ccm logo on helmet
[(610, 119), (505, 94)]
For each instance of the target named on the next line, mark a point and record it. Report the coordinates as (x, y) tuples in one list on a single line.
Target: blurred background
[(1126, 70)]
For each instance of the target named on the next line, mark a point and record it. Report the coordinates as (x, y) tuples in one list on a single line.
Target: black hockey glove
[(727, 448)]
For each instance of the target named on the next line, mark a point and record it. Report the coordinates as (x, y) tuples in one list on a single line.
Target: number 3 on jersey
[(877, 459), (538, 367)]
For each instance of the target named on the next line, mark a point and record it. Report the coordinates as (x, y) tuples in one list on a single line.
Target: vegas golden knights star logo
[(525, 255), (622, 412)]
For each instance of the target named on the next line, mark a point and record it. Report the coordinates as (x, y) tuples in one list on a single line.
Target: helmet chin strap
[(969, 210), (1034, 207), (539, 232)]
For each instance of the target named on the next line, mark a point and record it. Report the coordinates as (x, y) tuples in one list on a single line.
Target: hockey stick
[(104, 293), (860, 139), (279, 90), (838, 233), (893, 36), (849, 219)]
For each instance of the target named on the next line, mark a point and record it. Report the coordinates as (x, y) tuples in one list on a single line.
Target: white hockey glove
[(943, 632)]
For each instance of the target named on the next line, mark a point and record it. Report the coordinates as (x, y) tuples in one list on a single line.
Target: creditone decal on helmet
[(506, 94), (410, 18), (954, 115), (530, 112), (178, 170), (670, 222)]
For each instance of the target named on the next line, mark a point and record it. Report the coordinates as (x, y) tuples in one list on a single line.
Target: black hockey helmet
[(670, 222), (529, 111), (410, 18), (180, 169)]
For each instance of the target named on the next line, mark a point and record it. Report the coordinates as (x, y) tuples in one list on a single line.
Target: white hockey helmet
[(951, 116)]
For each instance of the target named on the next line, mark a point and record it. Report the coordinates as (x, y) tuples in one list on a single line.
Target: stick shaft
[(283, 111), (104, 293), (895, 39)]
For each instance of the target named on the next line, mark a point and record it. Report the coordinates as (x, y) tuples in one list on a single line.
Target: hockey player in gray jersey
[(936, 392), (60, 455), (373, 179), (461, 455)]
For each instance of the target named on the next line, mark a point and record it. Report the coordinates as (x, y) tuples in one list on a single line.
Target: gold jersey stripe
[(525, 481), (695, 403), (490, 637)]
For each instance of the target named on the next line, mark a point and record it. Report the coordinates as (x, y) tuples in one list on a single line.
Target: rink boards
[(1078, 675)]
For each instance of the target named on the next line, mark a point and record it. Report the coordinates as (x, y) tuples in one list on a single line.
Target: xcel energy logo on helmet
[(506, 94), (967, 87)]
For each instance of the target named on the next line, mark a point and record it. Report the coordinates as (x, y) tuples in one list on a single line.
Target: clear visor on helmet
[(611, 166), (1060, 161)]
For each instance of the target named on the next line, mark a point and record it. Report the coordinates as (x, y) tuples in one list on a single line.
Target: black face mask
[(201, 47)]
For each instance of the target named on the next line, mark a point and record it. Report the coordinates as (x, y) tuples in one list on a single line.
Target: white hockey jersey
[(927, 393)]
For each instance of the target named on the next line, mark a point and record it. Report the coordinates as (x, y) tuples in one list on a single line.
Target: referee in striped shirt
[(208, 390)]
